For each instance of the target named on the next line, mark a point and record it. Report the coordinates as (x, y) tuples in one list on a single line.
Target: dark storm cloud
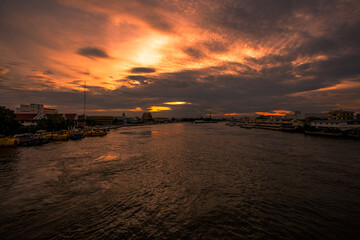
[(142, 70), (336, 69), (48, 72), (215, 46), (137, 77), (194, 53), (84, 73), (35, 77), (13, 63), (92, 52), (77, 82)]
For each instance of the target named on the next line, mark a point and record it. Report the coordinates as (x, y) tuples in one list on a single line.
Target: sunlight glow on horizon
[(176, 103), (159, 108), (275, 113)]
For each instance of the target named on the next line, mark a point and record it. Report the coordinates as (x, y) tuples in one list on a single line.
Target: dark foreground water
[(183, 181)]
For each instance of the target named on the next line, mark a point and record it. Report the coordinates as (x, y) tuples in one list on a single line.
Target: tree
[(8, 123), (91, 121), (52, 122)]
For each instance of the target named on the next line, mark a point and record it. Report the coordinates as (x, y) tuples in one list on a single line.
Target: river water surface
[(183, 181)]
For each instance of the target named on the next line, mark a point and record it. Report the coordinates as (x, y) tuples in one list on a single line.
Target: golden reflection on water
[(161, 180), (159, 133), (107, 157)]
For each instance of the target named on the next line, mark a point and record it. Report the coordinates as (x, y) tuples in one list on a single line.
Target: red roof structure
[(71, 116), (25, 116)]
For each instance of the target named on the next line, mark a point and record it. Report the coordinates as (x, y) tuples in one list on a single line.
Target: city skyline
[(181, 59)]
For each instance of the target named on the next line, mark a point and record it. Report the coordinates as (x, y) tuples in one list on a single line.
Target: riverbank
[(326, 132)]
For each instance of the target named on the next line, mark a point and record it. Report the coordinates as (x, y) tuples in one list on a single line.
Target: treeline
[(8, 123)]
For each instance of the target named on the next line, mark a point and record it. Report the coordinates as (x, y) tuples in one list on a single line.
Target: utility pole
[(85, 99)]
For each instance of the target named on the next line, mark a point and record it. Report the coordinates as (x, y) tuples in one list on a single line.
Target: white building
[(35, 109), (343, 125)]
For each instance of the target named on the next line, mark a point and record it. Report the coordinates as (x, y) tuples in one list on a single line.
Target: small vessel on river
[(30, 139), (9, 142), (96, 132)]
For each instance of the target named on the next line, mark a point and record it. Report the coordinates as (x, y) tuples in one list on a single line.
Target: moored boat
[(60, 136), (96, 132), (9, 142), (76, 135), (29, 139)]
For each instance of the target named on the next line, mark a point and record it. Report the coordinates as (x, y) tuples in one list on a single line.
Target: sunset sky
[(181, 58)]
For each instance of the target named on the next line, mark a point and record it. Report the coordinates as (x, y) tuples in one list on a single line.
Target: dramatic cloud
[(48, 72), (227, 58), (93, 52), (194, 53), (142, 70), (137, 77)]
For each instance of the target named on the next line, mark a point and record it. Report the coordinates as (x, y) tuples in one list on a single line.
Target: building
[(29, 119), (147, 116), (70, 116), (32, 119), (342, 125), (103, 120), (35, 109), (340, 115)]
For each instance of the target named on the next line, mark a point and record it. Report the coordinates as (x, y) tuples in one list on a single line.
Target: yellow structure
[(146, 116), (44, 134), (63, 135), (9, 142), (96, 132), (340, 115)]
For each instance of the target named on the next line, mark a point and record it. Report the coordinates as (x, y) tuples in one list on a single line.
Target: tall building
[(35, 109), (146, 116), (341, 115)]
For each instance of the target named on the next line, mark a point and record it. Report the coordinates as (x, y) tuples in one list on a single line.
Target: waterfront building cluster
[(35, 109), (31, 114), (35, 125), (334, 123)]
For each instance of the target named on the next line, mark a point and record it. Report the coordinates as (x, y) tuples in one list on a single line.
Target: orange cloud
[(3, 71), (237, 114), (275, 113), (159, 108), (138, 109), (176, 103)]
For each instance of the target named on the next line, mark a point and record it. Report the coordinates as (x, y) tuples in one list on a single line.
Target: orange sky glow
[(140, 56)]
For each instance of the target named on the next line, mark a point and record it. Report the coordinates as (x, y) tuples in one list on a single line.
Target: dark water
[(183, 181)]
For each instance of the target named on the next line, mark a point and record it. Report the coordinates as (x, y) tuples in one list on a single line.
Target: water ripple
[(182, 181)]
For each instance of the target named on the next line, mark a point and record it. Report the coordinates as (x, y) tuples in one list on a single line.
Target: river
[(183, 181)]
